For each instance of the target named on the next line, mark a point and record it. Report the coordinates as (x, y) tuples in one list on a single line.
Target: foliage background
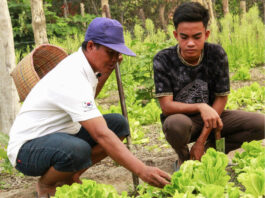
[(127, 12), (242, 36)]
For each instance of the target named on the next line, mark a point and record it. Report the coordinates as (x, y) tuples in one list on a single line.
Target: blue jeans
[(65, 152)]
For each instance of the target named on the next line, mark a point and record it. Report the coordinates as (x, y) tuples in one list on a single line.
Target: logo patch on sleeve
[(87, 105)]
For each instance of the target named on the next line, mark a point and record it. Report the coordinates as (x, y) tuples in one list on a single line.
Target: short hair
[(84, 44), (191, 12)]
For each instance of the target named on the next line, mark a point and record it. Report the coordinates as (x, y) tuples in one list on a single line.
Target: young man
[(192, 86), (59, 131)]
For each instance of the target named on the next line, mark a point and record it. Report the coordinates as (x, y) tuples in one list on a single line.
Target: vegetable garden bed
[(210, 178)]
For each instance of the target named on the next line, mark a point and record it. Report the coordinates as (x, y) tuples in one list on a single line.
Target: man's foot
[(76, 178), (45, 191)]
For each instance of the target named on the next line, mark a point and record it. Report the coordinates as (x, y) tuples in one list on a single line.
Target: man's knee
[(258, 125), (75, 157), (178, 127), (118, 124)]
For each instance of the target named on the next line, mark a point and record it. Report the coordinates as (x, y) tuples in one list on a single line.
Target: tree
[(210, 8), (105, 8), (199, 1), (94, 6), (38, 22), (162, 17), (264, 10), (243, 6), (225, 7), (142, 16), (9, 104)]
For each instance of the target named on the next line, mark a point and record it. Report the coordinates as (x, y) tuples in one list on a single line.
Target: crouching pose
[(192, 86), (59, 132)]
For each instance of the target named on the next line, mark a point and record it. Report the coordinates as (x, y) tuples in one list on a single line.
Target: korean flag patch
[(87, 105)]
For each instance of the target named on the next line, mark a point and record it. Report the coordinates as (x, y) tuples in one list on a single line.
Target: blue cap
[(108, 32)]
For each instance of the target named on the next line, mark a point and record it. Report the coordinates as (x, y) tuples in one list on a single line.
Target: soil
[(108, 171)]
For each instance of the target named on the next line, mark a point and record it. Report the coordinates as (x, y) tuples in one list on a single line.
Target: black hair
[(191, 12), (84, 44)]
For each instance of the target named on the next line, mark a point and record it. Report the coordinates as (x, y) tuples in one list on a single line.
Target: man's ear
[(207, 34), (175, 34), (89, 45)]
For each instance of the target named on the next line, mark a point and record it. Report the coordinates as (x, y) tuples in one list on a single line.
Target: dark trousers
[(239, 127), (65, 152)]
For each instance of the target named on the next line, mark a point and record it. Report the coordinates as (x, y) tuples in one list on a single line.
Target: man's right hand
[(154, 176), (210, 117)]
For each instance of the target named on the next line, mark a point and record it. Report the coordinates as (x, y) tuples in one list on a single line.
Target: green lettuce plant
[(254, 182), (89, 189)]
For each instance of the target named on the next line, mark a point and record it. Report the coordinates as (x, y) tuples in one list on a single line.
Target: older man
[(59, 131)]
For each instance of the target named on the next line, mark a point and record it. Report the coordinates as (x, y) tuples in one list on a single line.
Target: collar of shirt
[(90, 74)]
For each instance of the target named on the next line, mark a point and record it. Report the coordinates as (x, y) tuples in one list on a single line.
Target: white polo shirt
[(57, 103)]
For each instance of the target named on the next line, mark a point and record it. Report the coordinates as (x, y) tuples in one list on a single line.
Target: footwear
[(176, 167)]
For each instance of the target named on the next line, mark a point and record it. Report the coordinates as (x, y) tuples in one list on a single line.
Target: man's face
[(191, 37), (102, 59)]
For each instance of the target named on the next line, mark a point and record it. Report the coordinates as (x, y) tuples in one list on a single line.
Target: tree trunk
[(94, 7), (199, 1), (210, 8), (225, 7), (38, 22), (82, 10), (105, 8), (142, 16), (9, 105), (243, 6), (171, 12), (65, 9), (264, 10), (162, 16)]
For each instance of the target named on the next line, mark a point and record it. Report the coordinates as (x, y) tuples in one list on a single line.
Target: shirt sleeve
[(222, 82), (76, 99), (161, 77)]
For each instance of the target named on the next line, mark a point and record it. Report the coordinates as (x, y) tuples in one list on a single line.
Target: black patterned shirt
[(192, 84)]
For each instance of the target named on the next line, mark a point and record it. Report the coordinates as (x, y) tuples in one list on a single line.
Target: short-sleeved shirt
[(56, 103), (192, 84)]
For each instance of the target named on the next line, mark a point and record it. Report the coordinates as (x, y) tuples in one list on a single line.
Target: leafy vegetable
[(252, 156), (89, 189), (254, 181)]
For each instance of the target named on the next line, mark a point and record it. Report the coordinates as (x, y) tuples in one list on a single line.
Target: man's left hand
[(197, 151), (120, 59)]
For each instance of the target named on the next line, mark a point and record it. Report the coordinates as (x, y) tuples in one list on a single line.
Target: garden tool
[(123, 108), (124, 113), (219, 142)]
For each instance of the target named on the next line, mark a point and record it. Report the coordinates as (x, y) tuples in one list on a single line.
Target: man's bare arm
[(218, 106), (112, 145), (209, 115), (197, 149), (101, 81)]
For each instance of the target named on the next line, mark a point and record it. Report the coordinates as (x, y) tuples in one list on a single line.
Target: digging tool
[(124, 113), (123, 106), (219, 142)]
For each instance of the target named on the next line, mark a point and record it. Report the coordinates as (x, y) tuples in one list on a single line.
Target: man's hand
[(120, 59), (197, 151), (210, 117), (154, 176)]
